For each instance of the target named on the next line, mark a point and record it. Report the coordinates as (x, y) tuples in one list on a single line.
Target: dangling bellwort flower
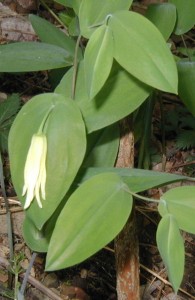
[(35, 166), (35, 170)]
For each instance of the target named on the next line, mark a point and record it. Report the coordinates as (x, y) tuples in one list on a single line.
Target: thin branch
[(55, 16)]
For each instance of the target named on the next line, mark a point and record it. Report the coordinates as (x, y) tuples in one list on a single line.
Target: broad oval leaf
[(186, 87), (66, 139), (32, 56), (94, 13), (185, 15), (49, 33), (163, 16), (92, 217), (180, 202), (120, 96), (171, 248), (102, 147), (140, 48), (98, 59)]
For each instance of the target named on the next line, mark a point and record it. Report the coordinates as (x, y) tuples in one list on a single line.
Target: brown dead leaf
[(14, 27)]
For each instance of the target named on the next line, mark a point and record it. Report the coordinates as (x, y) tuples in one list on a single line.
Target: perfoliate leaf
[(180, 202), (186, 87), (66, 145), (120, 95), (97, 12), (185, 15), (94, 214), (98, 59), (50, 34), (171, 248), (31, 56), (163, 16), (140, 48), (102, 147)]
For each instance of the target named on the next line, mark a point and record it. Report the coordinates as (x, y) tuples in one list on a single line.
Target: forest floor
[(95, 278)]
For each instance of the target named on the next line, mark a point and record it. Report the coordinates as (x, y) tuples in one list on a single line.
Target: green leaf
[(98, 59), (32, 56), (185, 140), (94, 214), (4, 140), (66, 139), (186, 87), (94, 13), (50, 34), (187, 51), (37, 240), (75, 4), (171, 247), (137, 180), (9, 107), (163, 16), (73, 27), (185, 15), (102, 147), (180, 202), (121, 95), (8, 110), (140, 48)]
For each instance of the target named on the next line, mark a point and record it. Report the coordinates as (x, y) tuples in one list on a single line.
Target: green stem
[(25, 280), (141, 197), (75, 66), (188, 54), (55, 16), (16, 287)]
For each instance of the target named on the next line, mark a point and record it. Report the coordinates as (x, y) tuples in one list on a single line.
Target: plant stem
[(55, 16), (142, 197), (188, 54), (16, 287), (25, 280)]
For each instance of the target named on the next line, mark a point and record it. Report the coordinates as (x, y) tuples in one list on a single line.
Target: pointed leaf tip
[(140, 48)]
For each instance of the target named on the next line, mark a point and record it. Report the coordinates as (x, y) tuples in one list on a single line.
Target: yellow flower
[(35, 170)]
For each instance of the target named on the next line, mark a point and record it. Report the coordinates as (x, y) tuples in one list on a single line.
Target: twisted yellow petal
[(35, 170)]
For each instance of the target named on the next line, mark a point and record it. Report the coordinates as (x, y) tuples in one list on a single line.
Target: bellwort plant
[(67, 152)]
